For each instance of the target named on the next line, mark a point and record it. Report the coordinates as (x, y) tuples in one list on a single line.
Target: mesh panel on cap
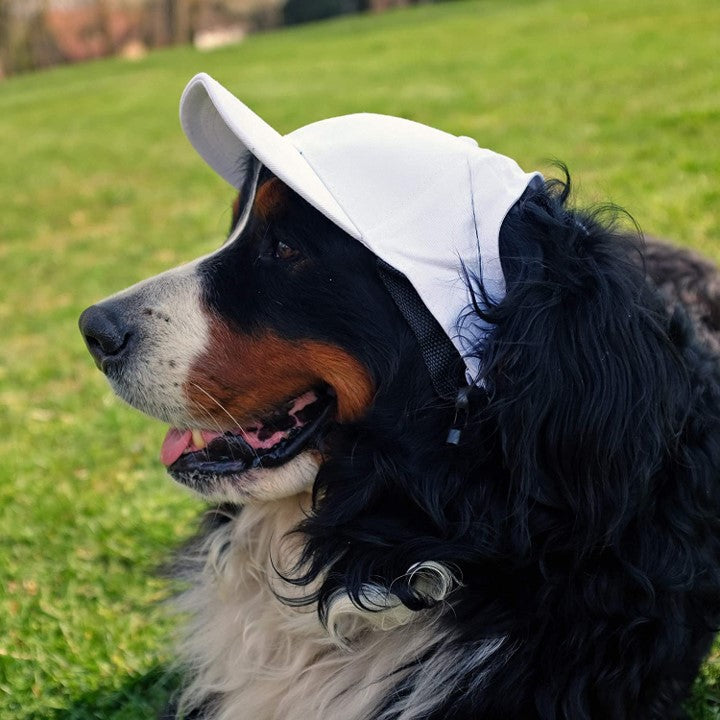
[(441, 358)]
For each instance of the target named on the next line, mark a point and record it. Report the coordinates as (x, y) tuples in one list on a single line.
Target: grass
[(99, 188)]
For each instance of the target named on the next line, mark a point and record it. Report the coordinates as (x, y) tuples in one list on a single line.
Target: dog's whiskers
[(225, 410), (212, 421)]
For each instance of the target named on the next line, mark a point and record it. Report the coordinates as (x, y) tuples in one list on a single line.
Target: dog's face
[(252, 352)]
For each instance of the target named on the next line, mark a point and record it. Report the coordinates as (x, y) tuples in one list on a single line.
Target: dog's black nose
[(106, 335)]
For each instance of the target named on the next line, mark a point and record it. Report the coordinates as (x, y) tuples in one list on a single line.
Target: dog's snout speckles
[(159, 314), (157, 329)]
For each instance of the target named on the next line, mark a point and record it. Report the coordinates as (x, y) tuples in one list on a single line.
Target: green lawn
[(99, 188)]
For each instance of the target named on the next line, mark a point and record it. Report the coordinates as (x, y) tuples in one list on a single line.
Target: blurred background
[(99, 188), (41, 33)]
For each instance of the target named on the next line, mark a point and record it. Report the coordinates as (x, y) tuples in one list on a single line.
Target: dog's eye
[(284, 252)]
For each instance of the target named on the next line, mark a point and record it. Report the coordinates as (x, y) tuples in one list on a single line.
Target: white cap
[(426, 202)]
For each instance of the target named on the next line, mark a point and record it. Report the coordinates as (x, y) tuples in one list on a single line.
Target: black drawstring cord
[(462, 410)]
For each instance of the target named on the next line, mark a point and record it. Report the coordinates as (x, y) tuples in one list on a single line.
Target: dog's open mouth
[(271, 441)]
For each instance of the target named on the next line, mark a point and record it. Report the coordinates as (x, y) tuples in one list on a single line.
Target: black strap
[(442, 359)]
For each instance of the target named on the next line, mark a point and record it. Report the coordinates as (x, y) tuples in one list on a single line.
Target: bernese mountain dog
[(548, 548)]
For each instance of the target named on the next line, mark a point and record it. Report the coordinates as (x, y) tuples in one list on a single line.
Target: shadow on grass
[(140, 697)]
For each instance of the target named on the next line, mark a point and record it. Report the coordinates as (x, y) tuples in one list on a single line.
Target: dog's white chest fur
[(252, 656)]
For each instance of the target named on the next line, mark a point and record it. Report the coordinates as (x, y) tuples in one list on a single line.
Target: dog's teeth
[(198, 439)]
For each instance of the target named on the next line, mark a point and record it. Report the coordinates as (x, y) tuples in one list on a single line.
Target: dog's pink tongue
[(174, 445)]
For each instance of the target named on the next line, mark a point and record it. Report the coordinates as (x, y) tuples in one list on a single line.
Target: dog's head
[(346, 261)]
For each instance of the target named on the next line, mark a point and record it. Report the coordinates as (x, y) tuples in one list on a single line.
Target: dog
[(542, 545)]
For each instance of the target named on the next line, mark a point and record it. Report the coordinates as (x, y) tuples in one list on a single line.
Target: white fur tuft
[(380, 608)]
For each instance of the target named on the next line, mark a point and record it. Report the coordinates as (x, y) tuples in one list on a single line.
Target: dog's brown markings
[(236, 209), (268, 197), (244, 377)]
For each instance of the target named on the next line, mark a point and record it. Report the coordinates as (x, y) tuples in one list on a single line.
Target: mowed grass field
[(99, 188)]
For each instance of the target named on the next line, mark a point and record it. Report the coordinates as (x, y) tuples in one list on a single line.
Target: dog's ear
[(589, 390)]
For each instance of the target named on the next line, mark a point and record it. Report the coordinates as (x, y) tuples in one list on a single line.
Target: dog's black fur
[(582, 506)]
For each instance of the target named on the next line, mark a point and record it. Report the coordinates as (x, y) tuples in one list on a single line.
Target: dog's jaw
[(256, 484)]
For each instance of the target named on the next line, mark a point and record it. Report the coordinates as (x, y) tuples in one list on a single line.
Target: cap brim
[(226, 132)]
